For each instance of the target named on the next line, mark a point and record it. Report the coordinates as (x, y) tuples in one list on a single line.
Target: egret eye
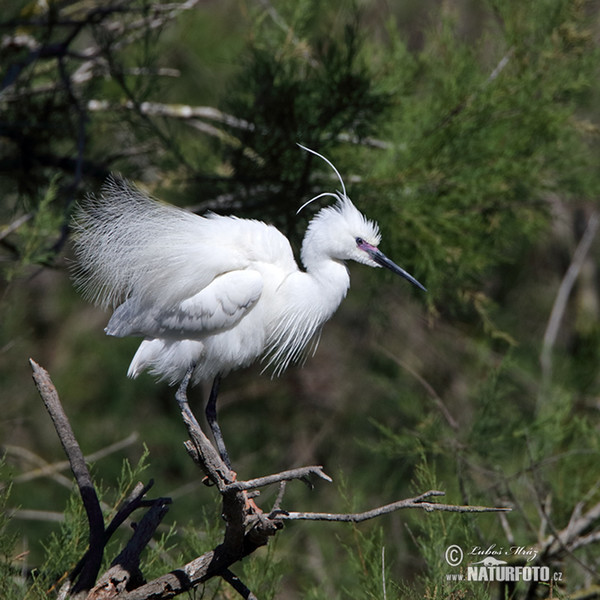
[(359, 241)]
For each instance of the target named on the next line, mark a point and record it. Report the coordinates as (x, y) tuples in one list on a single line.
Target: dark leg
[(211, 417)]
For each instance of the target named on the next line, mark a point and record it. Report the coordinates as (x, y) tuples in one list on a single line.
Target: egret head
[(341, 232)]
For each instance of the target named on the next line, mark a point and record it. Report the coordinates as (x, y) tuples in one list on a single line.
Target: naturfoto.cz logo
[(493, 568)]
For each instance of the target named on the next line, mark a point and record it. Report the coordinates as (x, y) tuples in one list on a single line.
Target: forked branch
[(246, 526)]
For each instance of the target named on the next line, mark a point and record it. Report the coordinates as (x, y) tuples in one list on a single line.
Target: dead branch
[(197, 115), (12, 227), (575, 535), (564, 291), (125, 569), (174, 111), (49, 469), (238, 585), (90, 568), (84, 575), (42, 465), (49, 516), (416, 502), (426, 385), (300, 473), (246, 526)]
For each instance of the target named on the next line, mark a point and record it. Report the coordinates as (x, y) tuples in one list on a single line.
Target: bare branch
[(80, 471), (428, 387), (37, 515), (12, 227), (246, 526), (238, 585), (174, 111), (29, 456), (501, 65), (213, 563), (564, 291), (206, 457), (416, 502), (197, 114), (134, 501), (571, 536), (279, 499), (49, 469), (124, 571), (300, 473)]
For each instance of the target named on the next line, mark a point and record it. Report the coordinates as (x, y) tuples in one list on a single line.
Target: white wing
[(219, 306), (154, 257)]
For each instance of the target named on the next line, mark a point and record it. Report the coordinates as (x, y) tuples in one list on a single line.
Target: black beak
[(381, 259)]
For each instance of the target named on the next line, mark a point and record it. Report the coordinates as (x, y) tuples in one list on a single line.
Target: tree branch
[(125, 569), (564, 291), (238, 585), (49, 469), (300, 473), (416, 502), (47, 391), (246, 526)]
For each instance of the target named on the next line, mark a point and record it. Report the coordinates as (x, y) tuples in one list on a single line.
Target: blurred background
[(468, 130)]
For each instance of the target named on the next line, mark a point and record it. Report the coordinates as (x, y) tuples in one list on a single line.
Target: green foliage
[(63, 550), (37, 234), (194, 543), (311, 87), (11, 584), (367, 561), (469, 131), (65, 547), (482, 145), (263, 573)]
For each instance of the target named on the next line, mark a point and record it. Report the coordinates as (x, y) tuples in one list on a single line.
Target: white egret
[(214, 293)]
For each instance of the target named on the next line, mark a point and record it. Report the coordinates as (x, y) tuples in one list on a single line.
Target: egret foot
[(211, 417)]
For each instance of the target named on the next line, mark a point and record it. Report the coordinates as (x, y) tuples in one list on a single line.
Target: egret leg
[(211, 417), (181, 395)]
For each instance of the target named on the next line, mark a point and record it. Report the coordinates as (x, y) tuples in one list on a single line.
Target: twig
[(134, 501), (124, 571), (12, 227), (246, 527), (280, 494), (280, 22), (463, 104), (194, 114), (47, 391), (416, 502), (571, 536), (300, 473), (175, 111), (561, 542), (564, 291), (428, 387), (500, 66), (238, 585), (30, 456), (206, 457), (49, 469), (383, 572), (49, 516)]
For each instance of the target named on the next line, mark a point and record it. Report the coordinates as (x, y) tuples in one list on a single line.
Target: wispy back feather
[(128, 244)]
